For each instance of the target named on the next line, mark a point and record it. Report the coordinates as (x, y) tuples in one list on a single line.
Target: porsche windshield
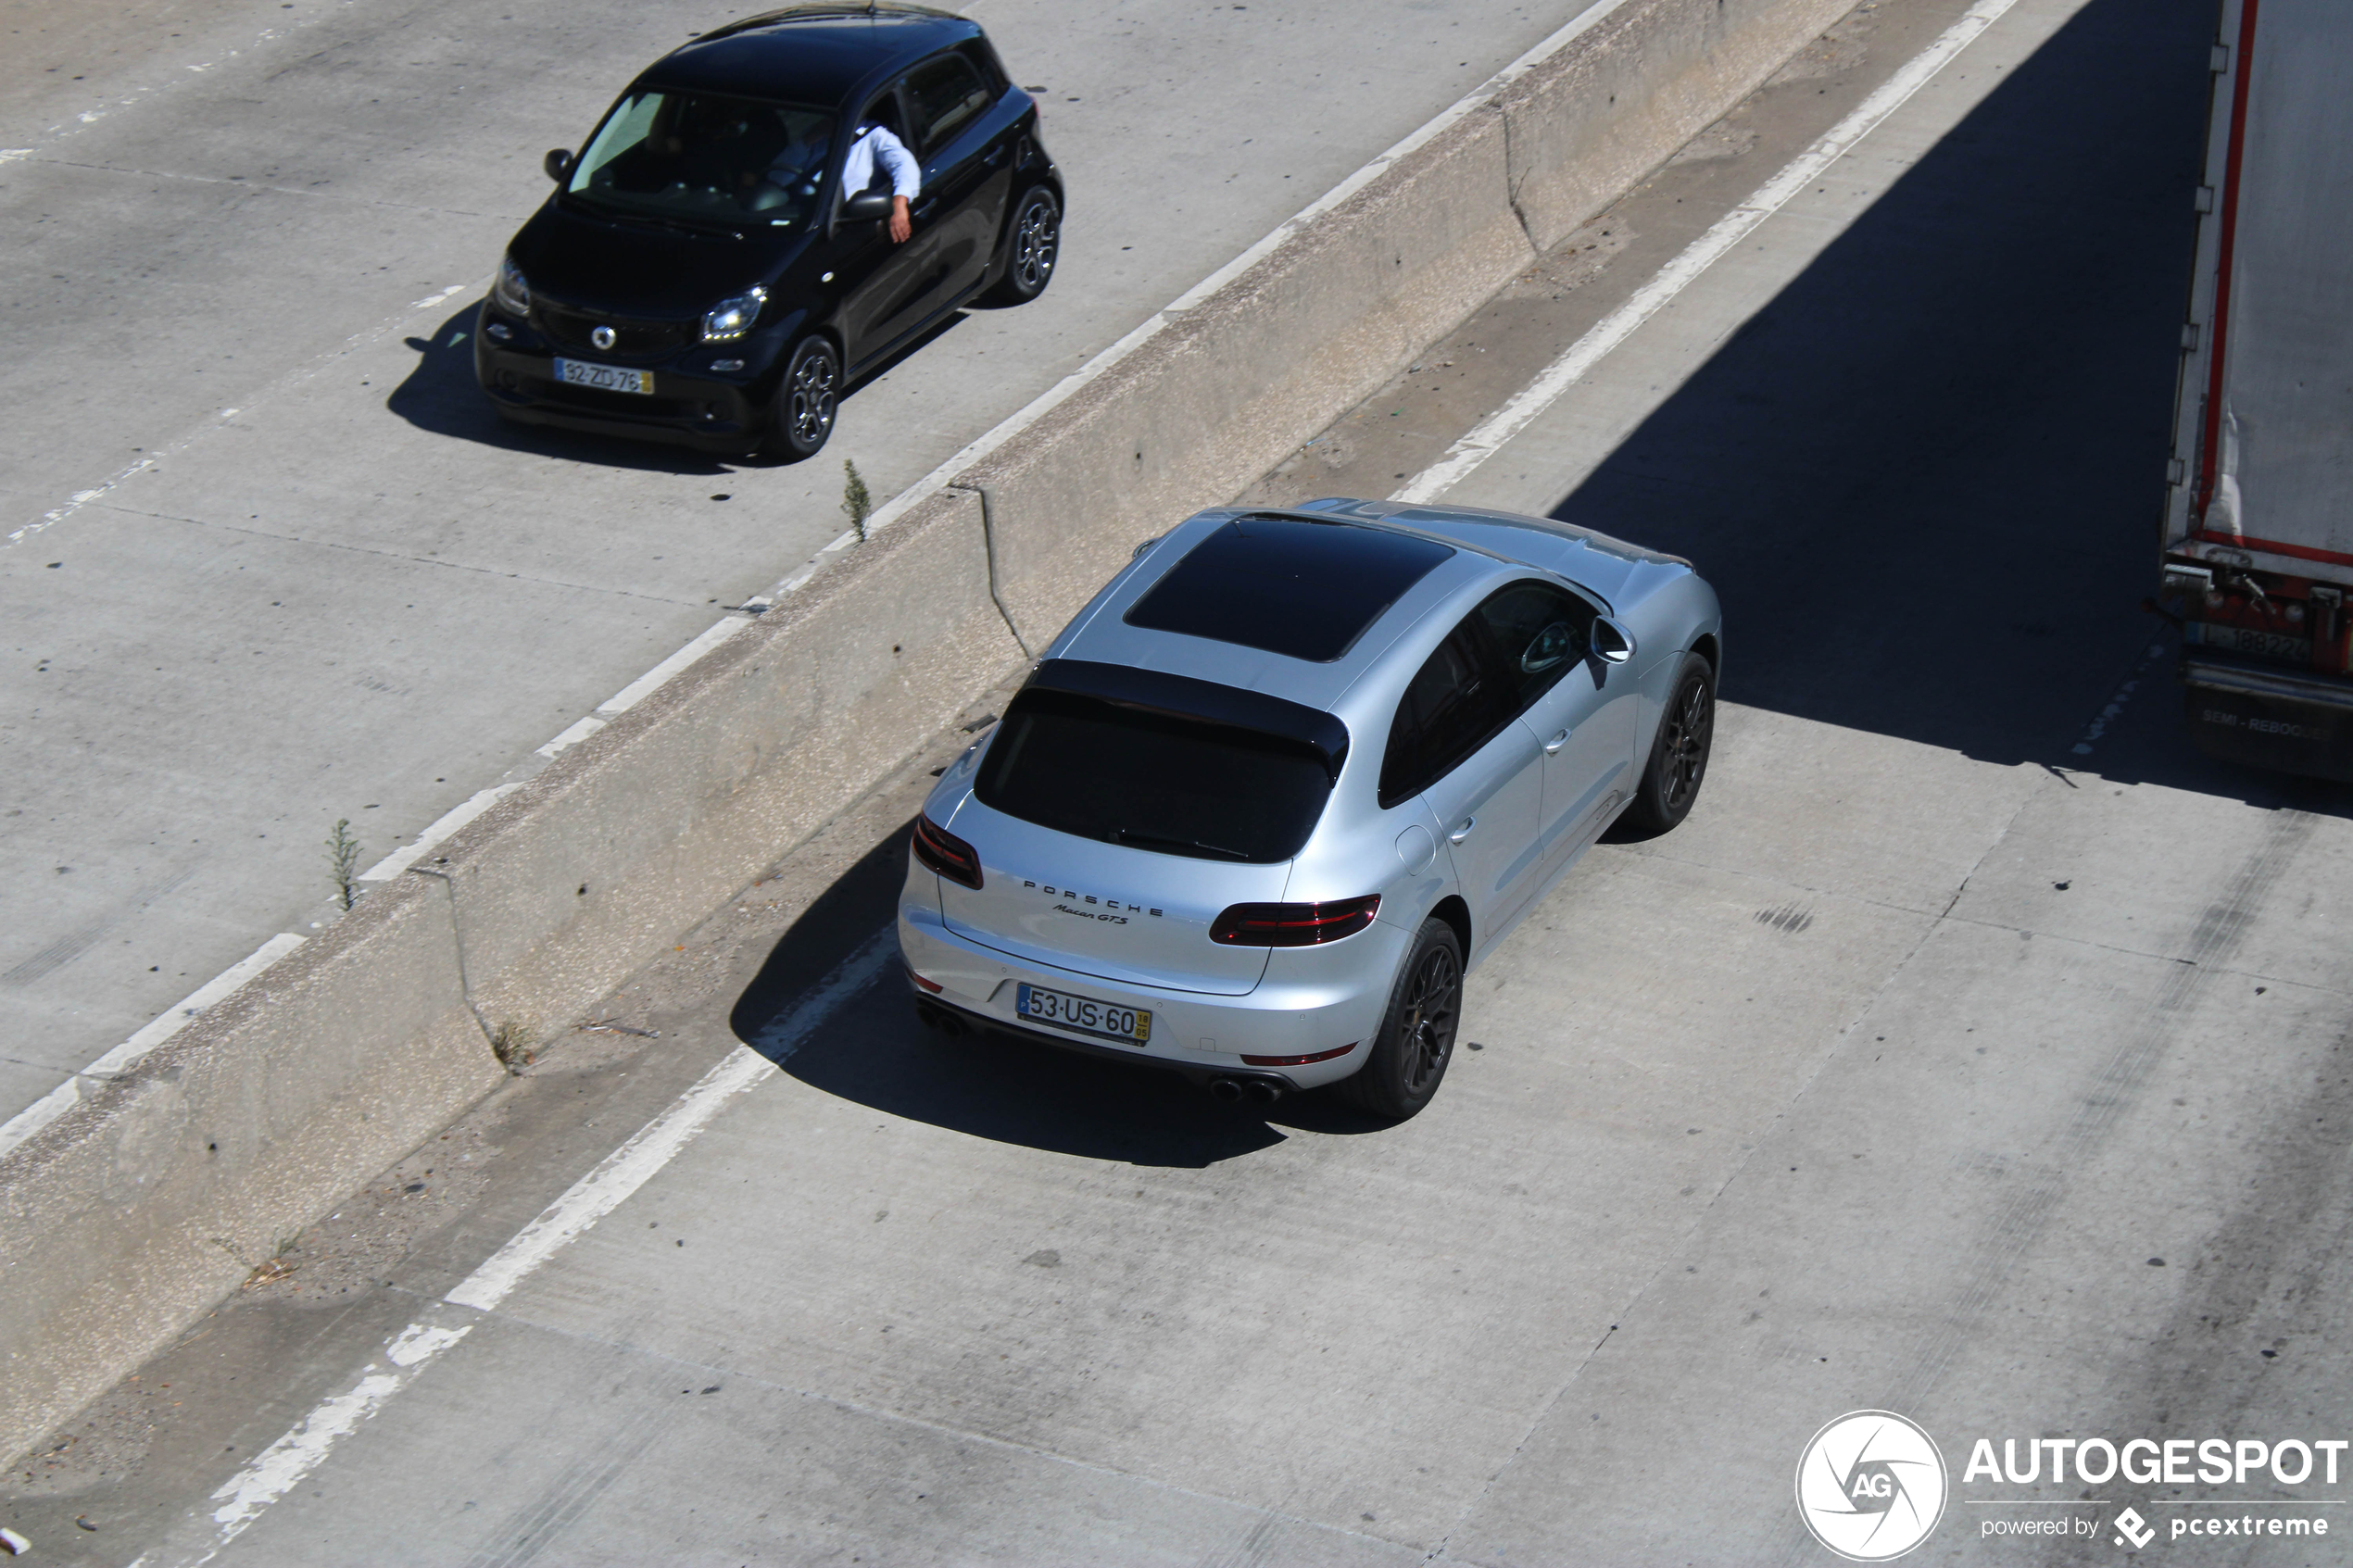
[(706, 158)]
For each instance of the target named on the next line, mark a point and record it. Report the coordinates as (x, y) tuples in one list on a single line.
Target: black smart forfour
[(701, 275)]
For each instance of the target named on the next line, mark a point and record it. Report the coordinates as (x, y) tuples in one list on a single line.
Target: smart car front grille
[(576, 330)]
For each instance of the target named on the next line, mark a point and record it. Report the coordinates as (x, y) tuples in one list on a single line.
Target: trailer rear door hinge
[(2176, 472), (2205, 199), (2220, 60), (2189, 337)]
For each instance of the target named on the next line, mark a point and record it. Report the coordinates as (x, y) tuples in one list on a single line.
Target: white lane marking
[(669, 669), (572, 736), (1531, 400), (432, 299), (281, 1466), (2115, 709), (120, 1060), (634, 1163), (399, 860), (284, 1464)]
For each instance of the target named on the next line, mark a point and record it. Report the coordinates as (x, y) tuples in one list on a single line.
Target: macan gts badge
[(1291, 776)]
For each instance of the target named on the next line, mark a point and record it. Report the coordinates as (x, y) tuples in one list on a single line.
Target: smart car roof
[(819, 55)]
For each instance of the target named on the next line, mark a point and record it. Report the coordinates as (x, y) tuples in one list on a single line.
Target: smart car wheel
[(1031, 247), (1416, 1038), (807, 401), (1678, 758)]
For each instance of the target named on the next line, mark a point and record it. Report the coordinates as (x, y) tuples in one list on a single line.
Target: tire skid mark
[(2116, 1089)]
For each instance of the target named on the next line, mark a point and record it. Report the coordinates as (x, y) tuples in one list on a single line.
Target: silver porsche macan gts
[(1290, 775)]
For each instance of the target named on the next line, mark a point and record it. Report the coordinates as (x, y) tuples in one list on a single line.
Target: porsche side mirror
[(1613, 643), (867, 204), (557, 163)]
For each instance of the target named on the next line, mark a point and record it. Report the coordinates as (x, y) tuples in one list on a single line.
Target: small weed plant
[(857, 501), (343, 858)]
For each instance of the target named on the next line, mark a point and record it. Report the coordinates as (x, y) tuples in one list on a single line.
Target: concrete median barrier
[(126, 1216)]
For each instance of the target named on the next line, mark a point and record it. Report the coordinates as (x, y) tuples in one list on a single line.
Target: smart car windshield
[(705, 159), (1171, 784)]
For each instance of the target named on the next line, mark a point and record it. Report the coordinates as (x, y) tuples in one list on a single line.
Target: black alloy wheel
[(1679, 758), (1031, 245), (1417, 1040), (807, 401)]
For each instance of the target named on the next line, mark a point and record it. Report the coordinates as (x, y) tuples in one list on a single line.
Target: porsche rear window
[(1174, 785), (1304, 589)]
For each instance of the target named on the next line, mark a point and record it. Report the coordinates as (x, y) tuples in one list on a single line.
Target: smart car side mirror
[(867, 204), (1613, 643), (557, 163)]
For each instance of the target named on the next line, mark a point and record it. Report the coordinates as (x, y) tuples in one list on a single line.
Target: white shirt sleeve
[(874, 143)]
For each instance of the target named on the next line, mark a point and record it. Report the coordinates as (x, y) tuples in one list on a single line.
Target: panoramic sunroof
[(1304, 589)]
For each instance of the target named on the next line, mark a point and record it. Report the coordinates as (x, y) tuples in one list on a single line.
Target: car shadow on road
[(440, 395), (1925, 478), (989, 1086)]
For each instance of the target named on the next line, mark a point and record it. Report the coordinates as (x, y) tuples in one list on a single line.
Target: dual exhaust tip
[(1233, 1091)]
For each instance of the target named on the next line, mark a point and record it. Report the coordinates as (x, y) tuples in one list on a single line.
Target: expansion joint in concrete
[(989, 544), (458, 940), (1513, 180)]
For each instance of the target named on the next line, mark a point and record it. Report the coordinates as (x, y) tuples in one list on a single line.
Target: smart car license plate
[(1084, 1015), (604, 378)]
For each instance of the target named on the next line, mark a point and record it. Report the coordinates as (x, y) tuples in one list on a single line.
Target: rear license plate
[(2261, 644), (1084, 1015), (604, 378)]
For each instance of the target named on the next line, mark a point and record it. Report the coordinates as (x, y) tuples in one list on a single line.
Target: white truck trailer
[(2257, 541)]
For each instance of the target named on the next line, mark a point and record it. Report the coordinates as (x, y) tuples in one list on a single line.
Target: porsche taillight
[(1293, 926), (946, 854)]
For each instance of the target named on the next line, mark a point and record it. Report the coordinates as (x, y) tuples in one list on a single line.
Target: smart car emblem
[(602, 337)]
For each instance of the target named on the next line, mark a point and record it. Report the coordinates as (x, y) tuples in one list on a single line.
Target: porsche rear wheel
[(1417, 1040)]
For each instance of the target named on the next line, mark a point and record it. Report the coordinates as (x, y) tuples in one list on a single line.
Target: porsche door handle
[(1554, 744), (1464, 831)]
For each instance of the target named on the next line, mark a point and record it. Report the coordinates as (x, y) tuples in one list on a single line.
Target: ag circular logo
[(603, 337), (1870, 1486)]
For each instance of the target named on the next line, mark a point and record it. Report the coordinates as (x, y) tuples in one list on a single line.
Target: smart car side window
[(1538, 633), (1450, 709), (945, 95)]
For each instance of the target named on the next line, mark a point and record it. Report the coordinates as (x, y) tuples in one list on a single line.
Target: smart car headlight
[(732, 318), (508, 291)]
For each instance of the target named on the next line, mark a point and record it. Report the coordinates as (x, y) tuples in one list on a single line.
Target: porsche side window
[(1538, 635), (1449, 711)]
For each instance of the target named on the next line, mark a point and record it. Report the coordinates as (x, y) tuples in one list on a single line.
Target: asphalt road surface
[(266, 558), (1975, 1051)]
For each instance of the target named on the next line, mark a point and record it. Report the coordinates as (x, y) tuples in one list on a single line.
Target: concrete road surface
[(1974, 1052), (267, 559)]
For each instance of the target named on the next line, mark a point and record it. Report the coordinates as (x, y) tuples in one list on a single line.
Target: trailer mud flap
[(2293, 723)]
